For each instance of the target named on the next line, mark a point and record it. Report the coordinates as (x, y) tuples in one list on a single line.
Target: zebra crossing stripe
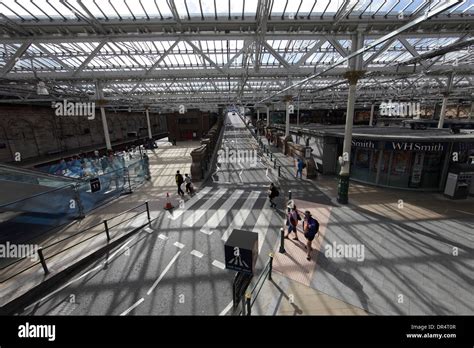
[(195, 215), (197, 254), (262, 225), (242, 214), (179, 245), (218, 264), (220, 213), (178, 212)]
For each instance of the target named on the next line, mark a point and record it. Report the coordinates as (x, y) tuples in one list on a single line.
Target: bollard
[(271, 267), (271, 156), (129, 185), (274, 163), (282, 241), (106, 230), (279, 171), (42, 260), (289, 195), (148, 213), (247, 301)]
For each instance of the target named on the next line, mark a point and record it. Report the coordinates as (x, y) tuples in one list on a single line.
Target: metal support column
[(101, 102), (443, 111), (150, 136), (372, 108), (268, 115), (352, 76), (445, 100)]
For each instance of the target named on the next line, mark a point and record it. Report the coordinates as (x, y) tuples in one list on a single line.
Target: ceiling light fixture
[(41, 89)]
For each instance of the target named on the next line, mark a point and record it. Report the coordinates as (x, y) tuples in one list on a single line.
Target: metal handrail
[(265, 271), (249, 298), (27, 171), (38, 194), (78, 183), (74, 245), (72, 235)]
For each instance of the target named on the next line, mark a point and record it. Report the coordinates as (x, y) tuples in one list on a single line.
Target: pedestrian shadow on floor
[(344, 278), (297, 310), (295, 261)]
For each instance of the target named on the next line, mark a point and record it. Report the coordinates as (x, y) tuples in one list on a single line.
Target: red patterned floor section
[(293, 263)]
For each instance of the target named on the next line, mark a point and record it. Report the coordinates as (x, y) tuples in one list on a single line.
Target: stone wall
[(192, 125), (36, 131), (202, 156)]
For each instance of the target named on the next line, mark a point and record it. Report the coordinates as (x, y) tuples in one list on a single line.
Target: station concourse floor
[(418, 259), (164, 162), (408, 251)]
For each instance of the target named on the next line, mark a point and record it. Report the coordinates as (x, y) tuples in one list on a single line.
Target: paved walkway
[(282, 296), (164, 162), (415, 250)]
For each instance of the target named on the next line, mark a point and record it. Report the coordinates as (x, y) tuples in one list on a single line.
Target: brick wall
[(193, 122), (35, 130)]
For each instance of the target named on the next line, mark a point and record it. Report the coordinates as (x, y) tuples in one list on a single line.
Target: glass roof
[(187, 9), (221, 60)]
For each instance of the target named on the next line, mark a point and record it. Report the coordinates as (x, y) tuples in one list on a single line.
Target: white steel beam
[(88, 59), (445, 6), (11, 63), (278, 57)]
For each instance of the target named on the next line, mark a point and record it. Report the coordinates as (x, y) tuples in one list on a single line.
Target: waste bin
[(458, 185)]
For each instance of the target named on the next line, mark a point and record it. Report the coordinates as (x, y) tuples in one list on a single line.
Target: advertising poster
[(400, 163), (415, 180)]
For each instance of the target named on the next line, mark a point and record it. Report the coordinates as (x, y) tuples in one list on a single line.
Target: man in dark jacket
[(179, 182), (311, 228), (272, 193)]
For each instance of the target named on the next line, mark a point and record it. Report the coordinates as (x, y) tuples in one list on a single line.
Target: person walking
[(311, 228), (189, 186), (272, 194), (299, 168), (292, 222), (146, 166), (179, 182)]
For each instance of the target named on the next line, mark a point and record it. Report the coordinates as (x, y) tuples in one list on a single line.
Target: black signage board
[(241, 251), (95, 184)]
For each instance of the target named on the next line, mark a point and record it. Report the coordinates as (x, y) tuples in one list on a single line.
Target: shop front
[(400, 164), (391, 157)]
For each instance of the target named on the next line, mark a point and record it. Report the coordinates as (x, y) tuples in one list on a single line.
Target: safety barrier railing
[(106, 229), (277, 165), (248, 298)]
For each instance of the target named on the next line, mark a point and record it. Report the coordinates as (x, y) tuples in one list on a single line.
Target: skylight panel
[(278, 6), (236, 7), (327, 7), (250, 7)]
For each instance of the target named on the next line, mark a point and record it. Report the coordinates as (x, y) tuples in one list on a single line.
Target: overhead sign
[(409, 146), (366, 144), (241, 251), (95, 184)]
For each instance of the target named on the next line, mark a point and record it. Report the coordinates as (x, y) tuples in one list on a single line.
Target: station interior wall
[(35, 131)]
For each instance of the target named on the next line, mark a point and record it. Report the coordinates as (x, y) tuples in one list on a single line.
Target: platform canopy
[(205, 53)]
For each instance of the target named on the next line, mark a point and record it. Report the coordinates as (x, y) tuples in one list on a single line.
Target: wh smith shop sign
[(399, 145)]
